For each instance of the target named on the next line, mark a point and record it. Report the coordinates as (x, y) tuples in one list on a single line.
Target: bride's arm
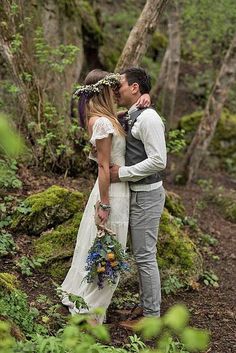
[(103, 155)]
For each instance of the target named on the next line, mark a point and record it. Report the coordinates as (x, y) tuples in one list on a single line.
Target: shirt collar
[(133, 108)]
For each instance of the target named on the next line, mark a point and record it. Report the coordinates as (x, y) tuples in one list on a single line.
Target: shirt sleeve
[(148, 128), (101, 129)]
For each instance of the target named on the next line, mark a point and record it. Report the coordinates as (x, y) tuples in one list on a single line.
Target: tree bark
[(9, 59), (140, 35), (59, 29), (171, 82), (156, 90), (212, 113)]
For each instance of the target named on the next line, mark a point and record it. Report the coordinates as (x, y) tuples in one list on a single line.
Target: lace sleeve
[(101, 129)]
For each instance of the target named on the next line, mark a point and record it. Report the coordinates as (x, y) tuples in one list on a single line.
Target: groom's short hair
[(140, 76)]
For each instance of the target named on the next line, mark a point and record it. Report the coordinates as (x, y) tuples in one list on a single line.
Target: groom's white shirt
[(148, 128)]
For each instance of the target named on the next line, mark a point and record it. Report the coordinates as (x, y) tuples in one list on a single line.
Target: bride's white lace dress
[(118, 222)]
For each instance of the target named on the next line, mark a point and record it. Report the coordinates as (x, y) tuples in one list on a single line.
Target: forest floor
[(211, 308)]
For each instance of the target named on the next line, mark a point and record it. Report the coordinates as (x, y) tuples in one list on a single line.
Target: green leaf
[(149, 326), (177, 317), (101, 333), (195, 339)]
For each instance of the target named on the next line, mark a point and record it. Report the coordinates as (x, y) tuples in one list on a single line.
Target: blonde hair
[(102, 104)]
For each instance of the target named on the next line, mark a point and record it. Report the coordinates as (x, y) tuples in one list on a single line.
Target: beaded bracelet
[(104, 206)]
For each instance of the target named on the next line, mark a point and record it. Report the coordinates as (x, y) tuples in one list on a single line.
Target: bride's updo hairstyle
[(97, 97)]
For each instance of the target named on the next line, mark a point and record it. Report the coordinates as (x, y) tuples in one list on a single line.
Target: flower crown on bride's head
[(111, 80)]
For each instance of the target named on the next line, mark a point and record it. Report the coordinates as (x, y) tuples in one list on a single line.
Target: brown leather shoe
[(136, 312), (130, 324)]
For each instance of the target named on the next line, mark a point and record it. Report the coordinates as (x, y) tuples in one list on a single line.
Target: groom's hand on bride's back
[(114, 173)]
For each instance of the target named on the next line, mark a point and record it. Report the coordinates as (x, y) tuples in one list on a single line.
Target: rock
[(174, 205), (177, 253), (13, 329), (46, 209), (57, 246), (14, 308)]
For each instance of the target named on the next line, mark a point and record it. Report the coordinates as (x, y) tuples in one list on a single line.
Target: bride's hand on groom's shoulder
[(114, 173), (144, 101)]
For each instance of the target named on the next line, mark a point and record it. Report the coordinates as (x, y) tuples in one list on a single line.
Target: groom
[(145, 157)]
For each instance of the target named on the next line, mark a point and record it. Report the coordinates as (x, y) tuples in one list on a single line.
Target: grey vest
[(135, 151)]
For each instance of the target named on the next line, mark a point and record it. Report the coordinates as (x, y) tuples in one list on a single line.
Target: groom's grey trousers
[(145, 211)]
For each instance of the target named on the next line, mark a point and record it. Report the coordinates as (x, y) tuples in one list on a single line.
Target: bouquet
[(106, 258)]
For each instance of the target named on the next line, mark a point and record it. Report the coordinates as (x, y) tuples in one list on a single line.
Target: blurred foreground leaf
[(11, 144)]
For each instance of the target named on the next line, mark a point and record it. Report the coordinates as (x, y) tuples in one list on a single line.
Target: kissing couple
[(130, 153)]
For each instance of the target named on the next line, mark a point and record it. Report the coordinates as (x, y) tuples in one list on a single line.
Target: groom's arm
[(150, 130)]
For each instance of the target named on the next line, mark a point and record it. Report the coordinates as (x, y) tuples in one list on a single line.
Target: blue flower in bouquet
[(106, 259)]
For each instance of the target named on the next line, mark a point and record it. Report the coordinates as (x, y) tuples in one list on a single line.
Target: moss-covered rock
[(8, 282), (175, 205), (57, 246), (226, 202), (14, 307), (46, 209), (177, 254), (223, 145), (13, 329)]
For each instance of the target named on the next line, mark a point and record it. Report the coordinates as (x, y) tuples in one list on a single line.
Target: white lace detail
[(101, 129)]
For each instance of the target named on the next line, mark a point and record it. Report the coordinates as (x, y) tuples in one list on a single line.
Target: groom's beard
[(117, 100)]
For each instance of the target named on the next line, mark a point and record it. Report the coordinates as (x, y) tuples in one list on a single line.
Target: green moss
[(47, 209), (57, 246), (226, 202), (159, 41), (190, 122), (59, 268), (223, 145), (174, 205), (89, 20), (117, 23), (14, 330), (8, 282), (177, 254)]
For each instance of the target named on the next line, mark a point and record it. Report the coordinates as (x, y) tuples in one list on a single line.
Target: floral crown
[(111, 80)]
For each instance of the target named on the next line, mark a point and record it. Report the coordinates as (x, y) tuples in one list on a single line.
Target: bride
[(97, 111)]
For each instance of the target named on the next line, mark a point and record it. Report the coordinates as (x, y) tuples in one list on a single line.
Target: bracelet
[(104, 206)]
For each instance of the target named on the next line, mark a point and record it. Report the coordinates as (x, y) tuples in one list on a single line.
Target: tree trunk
[(140, 35), (171, 82), (12, 66), (156, 90), (61, 29), (207, 126)]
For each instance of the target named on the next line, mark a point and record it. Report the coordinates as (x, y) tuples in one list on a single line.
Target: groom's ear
[(134, 88)]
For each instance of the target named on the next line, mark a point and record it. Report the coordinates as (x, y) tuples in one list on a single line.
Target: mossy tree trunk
[(157, 88), (62, 26), (212, 113), (140, 35), (41, 44), (13, 49), (171, 82)]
